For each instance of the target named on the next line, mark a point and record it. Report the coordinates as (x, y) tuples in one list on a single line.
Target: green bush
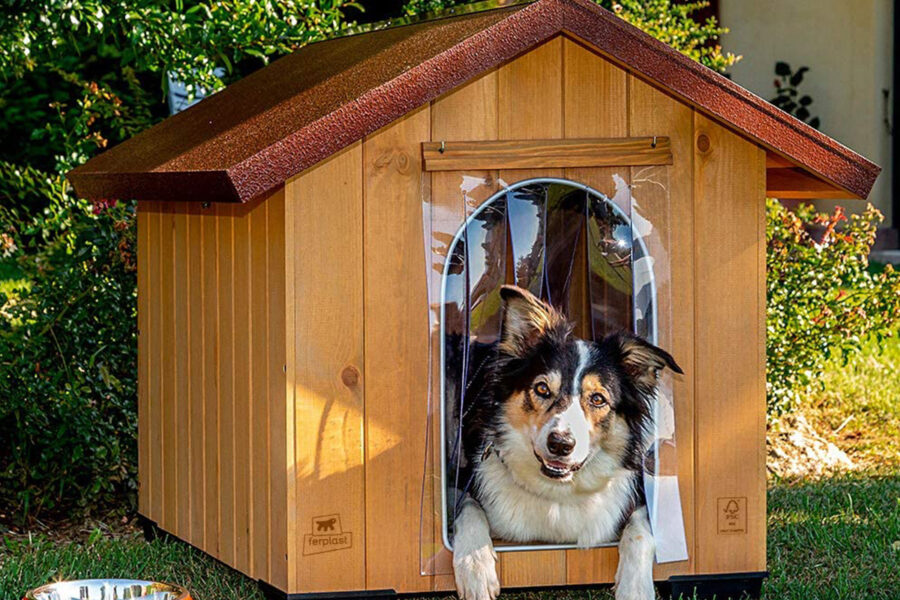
[(76, 78), (823, 301), (67, 410)]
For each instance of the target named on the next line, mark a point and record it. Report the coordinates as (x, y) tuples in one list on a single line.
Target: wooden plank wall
[(562, 89), (211, 389)]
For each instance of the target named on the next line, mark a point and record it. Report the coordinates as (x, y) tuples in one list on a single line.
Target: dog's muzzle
[(557, 469)]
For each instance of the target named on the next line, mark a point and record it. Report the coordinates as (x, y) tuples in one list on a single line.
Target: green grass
[(831, 539), (25, 564), (834, 539), (866, 391)]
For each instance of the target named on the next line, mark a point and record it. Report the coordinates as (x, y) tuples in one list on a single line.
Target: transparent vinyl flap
[(600, 259)]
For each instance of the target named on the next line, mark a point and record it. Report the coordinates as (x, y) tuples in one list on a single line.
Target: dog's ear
[(525, 320), (641, 360)]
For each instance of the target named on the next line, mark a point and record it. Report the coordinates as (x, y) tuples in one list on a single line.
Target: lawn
[(833, 538)]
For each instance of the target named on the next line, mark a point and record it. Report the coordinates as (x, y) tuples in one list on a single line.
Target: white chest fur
[(575, 512)]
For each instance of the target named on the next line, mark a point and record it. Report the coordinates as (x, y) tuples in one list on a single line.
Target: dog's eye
[(598, 400), (542, 389)]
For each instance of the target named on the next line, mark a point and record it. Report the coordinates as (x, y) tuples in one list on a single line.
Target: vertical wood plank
[(181, 423), (654, 113), (467, 113), (259, 367), (595, 105), (143, 311), (225, 339), (169, 432), (530, 94), (395, 336), (197, 478), (759, 556), (156, 366), (243, 388), (330, 474), (530, 106), (595, 94), (281, 401), (729, 180), (211, 350)]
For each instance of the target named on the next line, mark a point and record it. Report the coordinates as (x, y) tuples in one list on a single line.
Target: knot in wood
[(350, 376)]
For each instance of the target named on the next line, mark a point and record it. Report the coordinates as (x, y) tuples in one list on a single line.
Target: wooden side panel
[(196, 350), (282, 520), (210, 368), (595, 106), (326, 206), (467, 113), (243, 389), (169, 434), (530, 106), (395, 336), (180, 423), (595, 94), (156, 298), (729, 187), (210, 293), (530, 93), (652, 112), (260, 470), (225, 252), (143, 315)]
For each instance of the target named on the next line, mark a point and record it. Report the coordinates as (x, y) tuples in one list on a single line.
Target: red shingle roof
[(246, 140)]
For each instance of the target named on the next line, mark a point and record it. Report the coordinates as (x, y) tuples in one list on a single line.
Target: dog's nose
[(560, 444)]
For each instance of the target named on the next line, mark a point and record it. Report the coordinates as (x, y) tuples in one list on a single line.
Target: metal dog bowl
[(108, 589)]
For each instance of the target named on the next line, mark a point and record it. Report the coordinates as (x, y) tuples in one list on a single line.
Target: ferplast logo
[(326, 535)]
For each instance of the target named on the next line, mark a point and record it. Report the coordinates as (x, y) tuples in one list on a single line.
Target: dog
[(555, 437)]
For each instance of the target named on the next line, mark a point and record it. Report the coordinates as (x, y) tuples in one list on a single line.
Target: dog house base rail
[(272, 593), (721, 586)]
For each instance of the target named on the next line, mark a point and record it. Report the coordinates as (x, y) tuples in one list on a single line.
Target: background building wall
[(847, 44)]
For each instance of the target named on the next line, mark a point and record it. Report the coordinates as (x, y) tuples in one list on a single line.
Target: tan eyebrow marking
[(592, 384)]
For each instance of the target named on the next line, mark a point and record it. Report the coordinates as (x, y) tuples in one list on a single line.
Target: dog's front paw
[(476, 574), (637, 588)]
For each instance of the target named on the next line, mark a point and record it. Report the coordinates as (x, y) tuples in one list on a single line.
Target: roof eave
[(647, 58)]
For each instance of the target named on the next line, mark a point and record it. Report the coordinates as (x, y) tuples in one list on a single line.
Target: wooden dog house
[(281, 290)]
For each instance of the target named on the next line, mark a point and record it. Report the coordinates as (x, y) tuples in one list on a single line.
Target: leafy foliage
[(787, 96), (669, 21), (67, 411), (823, 301), (77, 77), (188, 38)]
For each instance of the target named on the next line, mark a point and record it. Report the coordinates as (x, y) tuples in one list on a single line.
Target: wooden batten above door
[(546, 154)]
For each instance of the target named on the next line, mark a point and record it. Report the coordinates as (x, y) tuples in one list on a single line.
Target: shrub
[(75, 78), (823, 301), (67, 410)]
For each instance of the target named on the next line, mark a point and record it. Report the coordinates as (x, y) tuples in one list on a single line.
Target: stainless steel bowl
[(108, 589)]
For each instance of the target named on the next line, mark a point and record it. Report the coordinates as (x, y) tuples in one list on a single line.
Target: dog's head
[(567, 401)]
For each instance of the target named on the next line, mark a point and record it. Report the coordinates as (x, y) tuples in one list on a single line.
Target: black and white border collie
[(555, 441)]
